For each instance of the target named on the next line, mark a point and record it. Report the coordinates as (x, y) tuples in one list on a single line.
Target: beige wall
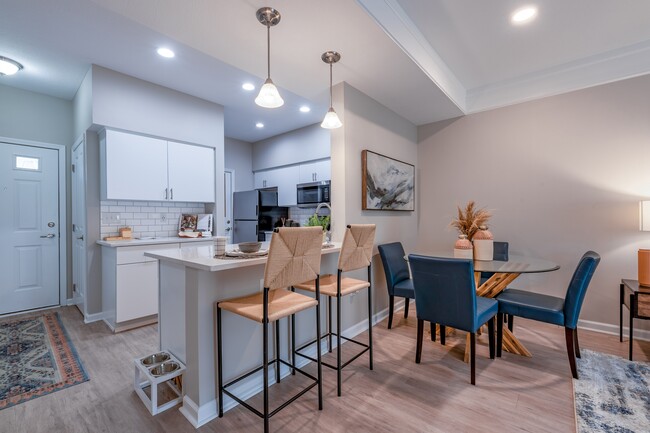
[(368, 125), (562, 175)]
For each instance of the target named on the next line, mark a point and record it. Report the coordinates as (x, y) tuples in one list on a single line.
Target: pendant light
[(269, 97), (331, 120)]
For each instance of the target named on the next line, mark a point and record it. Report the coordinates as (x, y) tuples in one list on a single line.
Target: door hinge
[(74, 287), (73, 168)]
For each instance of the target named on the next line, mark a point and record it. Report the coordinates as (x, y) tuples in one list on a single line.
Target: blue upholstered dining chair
[(445, 293), (398, 278), (549, 309), (500, 254)]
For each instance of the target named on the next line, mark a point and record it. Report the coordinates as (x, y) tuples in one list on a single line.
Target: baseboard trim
[(95, 317), (198, 416), (606, 328)]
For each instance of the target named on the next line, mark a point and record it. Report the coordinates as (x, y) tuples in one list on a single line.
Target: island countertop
[(202, 257), (152, 241)]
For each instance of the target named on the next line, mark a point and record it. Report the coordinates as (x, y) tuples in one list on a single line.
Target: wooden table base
[(490, 289)]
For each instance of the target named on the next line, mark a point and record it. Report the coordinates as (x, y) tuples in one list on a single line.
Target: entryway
[(32, 226)]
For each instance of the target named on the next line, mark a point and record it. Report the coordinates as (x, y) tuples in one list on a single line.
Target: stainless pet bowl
[(156, 358), (165, 368), (250, 247)]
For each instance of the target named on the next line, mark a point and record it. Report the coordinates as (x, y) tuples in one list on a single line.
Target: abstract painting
[(387, 184)]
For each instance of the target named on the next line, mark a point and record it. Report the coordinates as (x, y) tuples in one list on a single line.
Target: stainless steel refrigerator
[(253, 212)]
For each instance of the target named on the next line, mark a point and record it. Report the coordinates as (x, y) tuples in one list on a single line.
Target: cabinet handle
[(171, 193), (166, 193)]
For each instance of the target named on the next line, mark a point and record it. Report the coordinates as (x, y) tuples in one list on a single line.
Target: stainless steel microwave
[(312, 193)]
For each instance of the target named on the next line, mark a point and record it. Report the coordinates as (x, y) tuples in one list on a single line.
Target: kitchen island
[(190, 281)]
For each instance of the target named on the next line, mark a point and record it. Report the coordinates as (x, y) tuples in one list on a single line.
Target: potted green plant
[(323, 221)]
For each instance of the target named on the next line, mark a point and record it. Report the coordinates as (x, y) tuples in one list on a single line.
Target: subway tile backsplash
[(146, 218), (302, 214)]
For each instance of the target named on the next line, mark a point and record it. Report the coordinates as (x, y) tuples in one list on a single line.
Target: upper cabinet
[(135, 167), (315, 171), (284, 179)]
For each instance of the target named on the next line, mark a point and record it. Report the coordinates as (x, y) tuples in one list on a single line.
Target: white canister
[(483, 244), (220, 245)]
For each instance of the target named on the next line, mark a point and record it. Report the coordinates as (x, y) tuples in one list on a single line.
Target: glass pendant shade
[(269, 97), (331, 120)]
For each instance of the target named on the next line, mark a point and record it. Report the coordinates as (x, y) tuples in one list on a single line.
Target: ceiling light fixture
[(269, 97), (305, 109), (9, 66), (165, 52), (331, 120), (248, 86), (259, 125), (523, 15)]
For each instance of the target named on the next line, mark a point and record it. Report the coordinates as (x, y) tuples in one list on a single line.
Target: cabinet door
[(287, 179), (134, 167), (266, 178), (191, 172), (136, 291), (315, 171)]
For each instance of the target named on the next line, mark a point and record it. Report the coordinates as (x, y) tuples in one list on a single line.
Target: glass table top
[(515, 264)]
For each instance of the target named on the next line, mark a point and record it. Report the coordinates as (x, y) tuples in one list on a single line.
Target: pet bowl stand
[(144, 378)]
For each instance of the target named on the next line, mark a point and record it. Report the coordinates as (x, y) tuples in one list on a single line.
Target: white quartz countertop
[(152, 241), (202, 257)]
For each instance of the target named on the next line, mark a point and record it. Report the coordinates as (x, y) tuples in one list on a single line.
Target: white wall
[(239, 157), (300, 145), (368, 125), (562, 175)]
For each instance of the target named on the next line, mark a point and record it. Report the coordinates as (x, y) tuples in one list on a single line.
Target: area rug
[(612, 394), (36, 358)]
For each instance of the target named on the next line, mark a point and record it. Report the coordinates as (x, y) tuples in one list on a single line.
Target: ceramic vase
[(644, 267), (483, 244), (463, 248)]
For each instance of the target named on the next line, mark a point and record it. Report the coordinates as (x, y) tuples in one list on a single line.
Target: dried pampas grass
[(470, 219)]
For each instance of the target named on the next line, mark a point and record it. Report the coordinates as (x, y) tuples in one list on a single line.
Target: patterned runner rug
[(612, 394), (36, 358)]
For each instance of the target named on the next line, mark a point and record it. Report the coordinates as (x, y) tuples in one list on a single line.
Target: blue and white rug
[(612, 394)]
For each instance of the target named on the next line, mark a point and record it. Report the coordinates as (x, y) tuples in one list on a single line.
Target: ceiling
[(425, 60)]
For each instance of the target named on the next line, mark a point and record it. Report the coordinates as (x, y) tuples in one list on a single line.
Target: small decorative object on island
[(644, 267), (483, 244), (469, 220), (463, 248)]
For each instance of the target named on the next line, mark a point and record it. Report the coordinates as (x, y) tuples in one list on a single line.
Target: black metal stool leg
[(329, 324), (277, 351), (265, 367), (318, 349), (219, 362), (338, 342), (370, 316)]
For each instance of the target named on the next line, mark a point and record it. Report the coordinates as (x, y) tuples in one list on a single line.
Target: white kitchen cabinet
[(134, 167), (191, 172), (284, 179), (316, 171), (130, 283)]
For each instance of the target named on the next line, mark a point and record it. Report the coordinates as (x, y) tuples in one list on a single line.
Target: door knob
[(228, 229), (49, 236)]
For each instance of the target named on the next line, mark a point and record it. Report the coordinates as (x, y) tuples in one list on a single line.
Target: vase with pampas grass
[(469, 220)]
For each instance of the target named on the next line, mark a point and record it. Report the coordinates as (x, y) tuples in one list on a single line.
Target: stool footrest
[(334, 367)]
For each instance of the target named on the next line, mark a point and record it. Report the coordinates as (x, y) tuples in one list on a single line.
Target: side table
[(637, 299)]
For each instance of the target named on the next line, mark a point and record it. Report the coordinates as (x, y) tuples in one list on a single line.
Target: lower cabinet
[(130, 284)]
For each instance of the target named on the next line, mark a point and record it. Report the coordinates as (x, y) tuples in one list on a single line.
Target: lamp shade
[(269, 97), (331, 120), (644, 216)]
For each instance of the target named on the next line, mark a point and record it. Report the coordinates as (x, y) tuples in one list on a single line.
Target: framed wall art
[(387, 184)]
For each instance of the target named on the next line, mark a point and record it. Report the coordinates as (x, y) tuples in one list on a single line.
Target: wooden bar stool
[(294, 256), (356, 253)]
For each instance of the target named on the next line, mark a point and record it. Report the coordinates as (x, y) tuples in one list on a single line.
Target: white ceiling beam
[(400, 28)]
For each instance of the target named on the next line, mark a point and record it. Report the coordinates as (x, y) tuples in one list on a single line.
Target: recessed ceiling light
[(259, 125), (165, 52), (9, 66), (248, 86), (305, 109), (523, 15)]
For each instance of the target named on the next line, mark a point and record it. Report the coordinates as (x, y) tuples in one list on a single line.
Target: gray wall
[(562, 175), (368, 125), (34, 116), (304, 144), (238, 156)]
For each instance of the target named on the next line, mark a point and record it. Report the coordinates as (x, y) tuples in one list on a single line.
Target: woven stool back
[(356, 251)]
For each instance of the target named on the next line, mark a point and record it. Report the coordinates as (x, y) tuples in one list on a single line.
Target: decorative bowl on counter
[(250, 247)]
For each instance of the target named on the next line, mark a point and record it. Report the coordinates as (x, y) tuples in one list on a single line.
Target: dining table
[(503, 274)]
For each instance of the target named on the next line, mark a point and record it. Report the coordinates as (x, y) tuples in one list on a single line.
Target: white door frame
[(81, 141), (63, 208), (225, 198)]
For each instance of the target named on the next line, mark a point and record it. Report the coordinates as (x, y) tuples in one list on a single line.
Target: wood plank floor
[(512, 394)]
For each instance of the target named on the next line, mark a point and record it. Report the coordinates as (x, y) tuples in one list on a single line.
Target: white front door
[(29, 227), (79, 226), (227, 208)]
